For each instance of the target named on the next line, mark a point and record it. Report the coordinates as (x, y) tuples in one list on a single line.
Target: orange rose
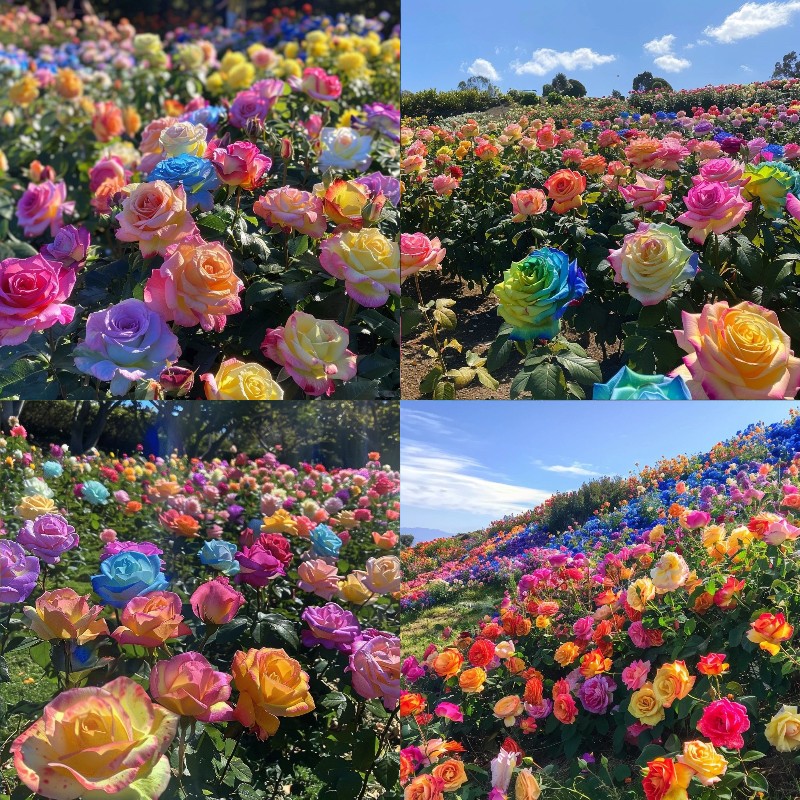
[(472, 680), (564, 188), (566, 653), (594, 663), (448, 663), (411, 704), (451, 773), (424, 787), (769, 630), (508, 709)]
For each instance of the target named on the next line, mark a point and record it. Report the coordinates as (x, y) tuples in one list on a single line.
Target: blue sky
[(465, 464), (521, 44)]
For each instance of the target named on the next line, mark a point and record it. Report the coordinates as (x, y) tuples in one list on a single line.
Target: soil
[(478, 324)]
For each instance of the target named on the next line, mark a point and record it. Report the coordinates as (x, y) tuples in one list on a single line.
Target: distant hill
[(424, 534)]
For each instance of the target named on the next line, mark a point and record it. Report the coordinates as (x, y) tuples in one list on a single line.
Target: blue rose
[(255, 525), (95, 493), (220, 555), (126, 575), (325, 542), (198, 176), (52, 469), (630, 385)]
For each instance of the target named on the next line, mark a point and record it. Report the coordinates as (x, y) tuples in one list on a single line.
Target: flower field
[(648, 653), (640, 248), (209, 215), (181, 628)]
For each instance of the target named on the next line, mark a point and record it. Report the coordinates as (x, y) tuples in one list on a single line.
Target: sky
[(466, 464), (522, 44)]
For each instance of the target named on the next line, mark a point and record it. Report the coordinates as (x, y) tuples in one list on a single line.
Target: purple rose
[(383, 118), (18, 572), (249, 105), (125, 343), (331, 626), (412, 670), (112, 548), (595, 694), (258, 565), (70, 246), (378, 183), (375, 664), (47, 537), (540, 711)]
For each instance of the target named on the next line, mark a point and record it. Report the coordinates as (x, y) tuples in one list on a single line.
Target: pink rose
[(292, 210), (32, 295), (318, 84), (721, 170), (444, 185), (634, 676), (216, 602), (449, 711), (527, 203), (646, 193), (712, 207), (724, 722), (110, 167), (240, 164), (41, 206), (418, 253)]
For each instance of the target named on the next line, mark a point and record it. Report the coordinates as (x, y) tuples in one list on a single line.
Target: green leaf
[(547, 382), (444, 390), (584, 370), (275, 630), (462, 377), (260, 291), (428, 383), (213, 222), (499, 352)]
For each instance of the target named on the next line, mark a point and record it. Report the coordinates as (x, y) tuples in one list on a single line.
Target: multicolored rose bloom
[(564, 188), (630, 385), (126, 575), (535, 293), (291, 209), (197, 176), (712, 207), (18, 572), (330, 626), (43, 206), (125, 343), (738, 353), (188, 684), (32, 295), (317, 83), (241, 164), (770, 182), (236, 380), (418, 253), (258, 565), (151, 620), (375, 667), (48, 537), (64, 614), (382, 118), (652, 262), (63, 758), (312, 351), (646, 193)]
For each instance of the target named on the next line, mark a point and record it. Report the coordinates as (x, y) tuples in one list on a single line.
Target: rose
[(319, 578), (652, 262), (472, 680), (18, 572), (783, 730), (236, 380), (312, 351), (64, 614), (564, 708), (330, 626), (447, 663), (113, 547), (324, 542), (241, 164), (723, 170), (270, 685), (32, 295), (97, 741), (345, 202), (647, 193), (35, 506), (596, 694), (634, 676), (770, 182), (258, 565), (378, 184), (418, 253), (564, 188), (769, 631), (108, 168), (424, 787), (197, 176), (451, 773), (292, 210), (672, 682), (183, 138), (630, 385), (535, 293), (481, 653), (151, 620), (527, 203), (384, 575), (70, 247), (645, 706), (640, 593), (670, 572), (352, 589), (125, 343), (196, 284), (127, 575), (708, 765), (666, 780), (712, 207), (366, 261), (724, 722), (48, 537), (318, 84), (216, 602), (94, 493), (219, 555), (375, 665), (188, 685), (343, 149), (737, 353), (526, 786), (713, 664), (42, 206)]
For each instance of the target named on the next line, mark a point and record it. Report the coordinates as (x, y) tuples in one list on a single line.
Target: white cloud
[(745, 68), (545, 60), (483, 68), (689, 46), (433, 478), (576, 468), (751, 19), (672, 63), (660, 47)]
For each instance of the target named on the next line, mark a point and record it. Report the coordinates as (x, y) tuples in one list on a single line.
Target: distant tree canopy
[(479, 83), (562, 85), (336, 434), (647, 82), (788, 68)]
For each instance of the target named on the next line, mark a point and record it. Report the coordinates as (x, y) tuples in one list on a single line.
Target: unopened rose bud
[(176, 381), (287, 151)]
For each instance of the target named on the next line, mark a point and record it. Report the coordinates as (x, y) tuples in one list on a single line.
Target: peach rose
[(564, 188), (64, 614), (447, 663), (508, 709), (151, 620), (471, 681), (418, 253), (292, 210), (451, 773)]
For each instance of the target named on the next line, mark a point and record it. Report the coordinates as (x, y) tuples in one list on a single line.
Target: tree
[(788, 68), (560, 83), (575, 89), (643, 82), (660, 85), (481, 83), (617, 94)]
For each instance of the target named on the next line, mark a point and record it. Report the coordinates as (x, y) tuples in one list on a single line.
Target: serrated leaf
[(444, 390)]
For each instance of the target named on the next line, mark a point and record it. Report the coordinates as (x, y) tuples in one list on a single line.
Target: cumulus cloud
[(544, 60), (672, 63), (485, 69), (437, 479), (660, 47), (751, 19)]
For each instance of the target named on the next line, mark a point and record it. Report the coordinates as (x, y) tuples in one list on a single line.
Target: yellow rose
[(68, 84), (672, 682), (526, 787), (352, 588), (740, 539), (783, 730), (645, 706), (35, 505), (280, 522), (708, 765), (24, 91), (64, 614), (236, 380), (670, 572), (640, 593), (384, 575)]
